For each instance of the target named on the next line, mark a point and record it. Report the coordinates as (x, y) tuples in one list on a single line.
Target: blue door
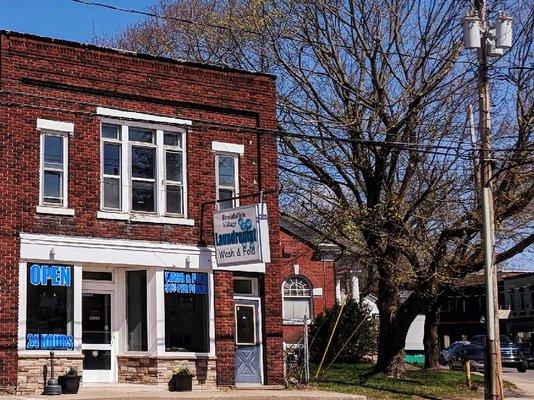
[(247, 342)]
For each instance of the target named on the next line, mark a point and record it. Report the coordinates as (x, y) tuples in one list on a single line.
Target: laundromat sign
[(242, 236)]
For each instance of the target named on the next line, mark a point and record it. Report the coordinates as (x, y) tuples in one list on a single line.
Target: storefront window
[(136, 311), (186, 312), (49, 307)]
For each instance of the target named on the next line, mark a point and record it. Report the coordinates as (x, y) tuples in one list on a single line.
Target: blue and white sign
[(242, 235), (49, 341), (54, 275), (186, 282), (46, 284)]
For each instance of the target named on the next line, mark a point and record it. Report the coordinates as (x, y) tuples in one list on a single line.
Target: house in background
[(463, 311), (309, 279)]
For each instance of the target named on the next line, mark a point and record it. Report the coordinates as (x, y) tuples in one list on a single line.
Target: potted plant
[(182, 380), (70, 382)]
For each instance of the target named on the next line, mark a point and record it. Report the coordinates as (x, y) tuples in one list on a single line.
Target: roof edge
[(144, 56)]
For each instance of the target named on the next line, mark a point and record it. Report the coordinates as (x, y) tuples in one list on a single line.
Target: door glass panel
[(96, 318), (96, 359), (245, 325)]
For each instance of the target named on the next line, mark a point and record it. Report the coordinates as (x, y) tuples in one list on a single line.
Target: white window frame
[(62, 130), (253, 285), (179, 150), (235, 157), (160, 215), (118, 141), (154, 145), (288, 321)]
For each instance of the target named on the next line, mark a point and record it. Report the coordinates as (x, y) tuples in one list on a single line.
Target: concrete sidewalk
[(145, 392)]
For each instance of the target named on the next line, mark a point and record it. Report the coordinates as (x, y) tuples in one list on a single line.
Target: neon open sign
[(55, 275), (49, 275)]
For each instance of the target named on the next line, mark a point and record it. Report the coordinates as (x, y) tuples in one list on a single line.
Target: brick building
[(309, 278), (112, 162)]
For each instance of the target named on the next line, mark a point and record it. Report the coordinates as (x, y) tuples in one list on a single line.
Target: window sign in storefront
[(186, 312), (186, 282), (242, 235), (49, 307)]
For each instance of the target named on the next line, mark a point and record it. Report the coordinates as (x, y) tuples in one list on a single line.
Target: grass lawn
[(418, 384)]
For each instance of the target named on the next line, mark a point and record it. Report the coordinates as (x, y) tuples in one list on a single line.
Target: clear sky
[(65, 19)]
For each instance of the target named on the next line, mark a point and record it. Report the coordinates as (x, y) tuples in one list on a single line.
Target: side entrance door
[(248, 358), (97, 343)]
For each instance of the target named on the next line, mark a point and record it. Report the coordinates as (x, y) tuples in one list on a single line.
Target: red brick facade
[(301, 255), (62, 81)]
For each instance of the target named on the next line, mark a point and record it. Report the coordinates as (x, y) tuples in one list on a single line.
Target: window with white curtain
[(297, 299)]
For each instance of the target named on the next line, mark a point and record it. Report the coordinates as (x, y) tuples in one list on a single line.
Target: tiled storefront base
[(34, 370), (159, 370)]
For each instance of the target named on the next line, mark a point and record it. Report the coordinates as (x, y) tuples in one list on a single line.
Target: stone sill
[(40, 355), (167, 357)]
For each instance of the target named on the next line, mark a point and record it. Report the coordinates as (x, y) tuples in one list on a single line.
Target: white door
[(97, 337)]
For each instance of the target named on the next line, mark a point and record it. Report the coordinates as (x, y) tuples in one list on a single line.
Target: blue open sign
[(56, 275)]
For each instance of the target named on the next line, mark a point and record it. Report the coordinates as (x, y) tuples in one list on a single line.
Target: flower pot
[(69, 383), (182, 383)]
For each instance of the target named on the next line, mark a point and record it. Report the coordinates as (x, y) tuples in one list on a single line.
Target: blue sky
[(66, 19)]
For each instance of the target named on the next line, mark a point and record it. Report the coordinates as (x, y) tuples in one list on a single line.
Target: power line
[(250, 31), (463, 153)]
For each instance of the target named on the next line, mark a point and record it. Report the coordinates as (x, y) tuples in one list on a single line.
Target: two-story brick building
[(112, 162)]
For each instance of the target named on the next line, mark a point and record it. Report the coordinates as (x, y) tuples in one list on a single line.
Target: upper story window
[(111, 165), (227, 180), (53, 170), (143, 171), (297, 298)]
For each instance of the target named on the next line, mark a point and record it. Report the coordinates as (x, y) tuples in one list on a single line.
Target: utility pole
[(492, 366)]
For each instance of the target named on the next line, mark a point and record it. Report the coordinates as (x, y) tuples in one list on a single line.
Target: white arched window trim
[(297, 296)]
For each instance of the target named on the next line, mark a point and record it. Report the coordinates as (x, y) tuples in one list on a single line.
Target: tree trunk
[(431, 338), (392, 331), (391, 341)]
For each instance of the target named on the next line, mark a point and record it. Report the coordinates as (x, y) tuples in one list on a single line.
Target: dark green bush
[(363, 343)]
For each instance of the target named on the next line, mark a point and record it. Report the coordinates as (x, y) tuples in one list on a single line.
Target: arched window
[(297, 296)]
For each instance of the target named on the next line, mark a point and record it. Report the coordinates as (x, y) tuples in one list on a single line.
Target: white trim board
[(228, 147), (110, 112), (114, 251), (57, 126)]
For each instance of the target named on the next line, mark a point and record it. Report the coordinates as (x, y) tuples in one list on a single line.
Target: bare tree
[(376, 154)]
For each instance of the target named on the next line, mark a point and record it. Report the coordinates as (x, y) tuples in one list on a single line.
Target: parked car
[(444, 354), (511, 355), (465, 351)]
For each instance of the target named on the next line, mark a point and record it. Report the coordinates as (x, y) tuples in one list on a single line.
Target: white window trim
[(103, 141), (254, 286), (160, 313), (57, 126), (157, 176), (287, 321), (63, 130), (160, 216), (114, 113), (77, 309), (222, 147), (235, 156)]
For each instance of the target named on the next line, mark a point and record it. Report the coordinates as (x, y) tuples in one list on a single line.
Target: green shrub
[(362, 343)]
